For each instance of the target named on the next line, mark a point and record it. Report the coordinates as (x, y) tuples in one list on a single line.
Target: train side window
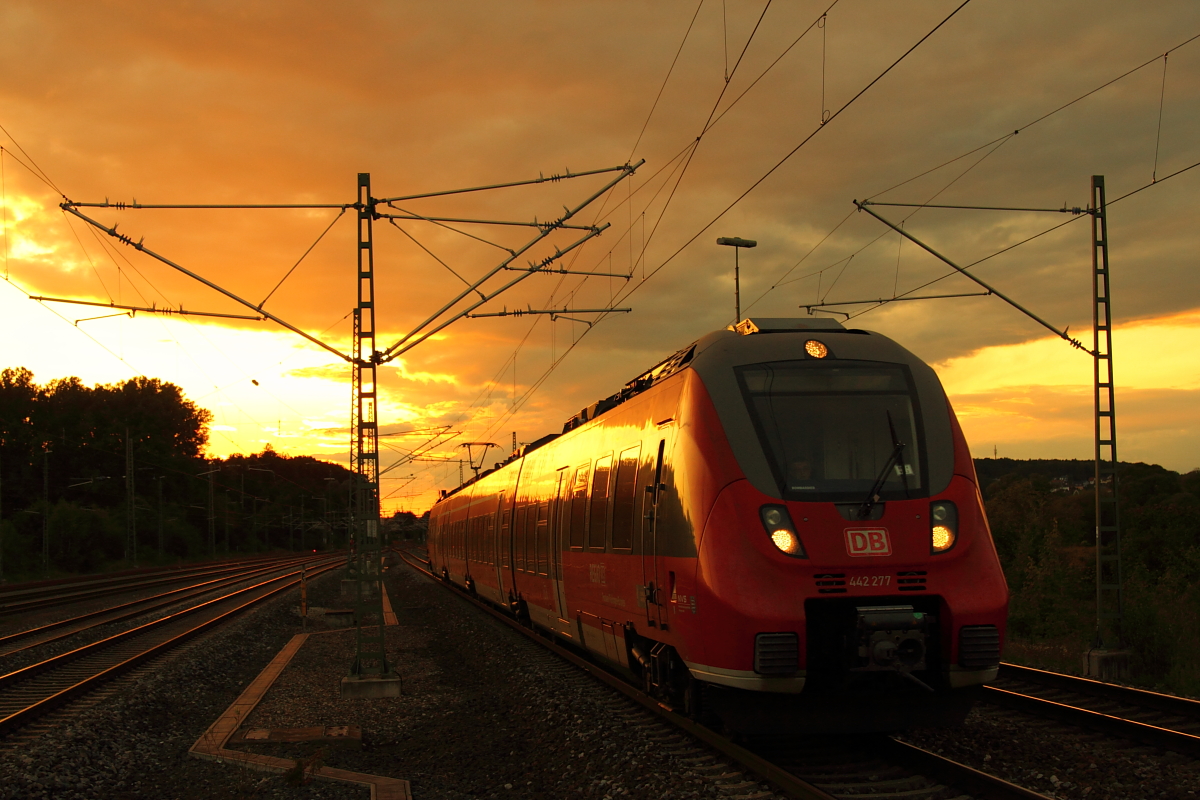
[(519, 536), (473, 538), (501, 543), (469, 537), (489, 539), (476, 537), (598, 519), (543, 537), (480, 530), (527, 537), (522, 536), (578, 514), (625, 498)]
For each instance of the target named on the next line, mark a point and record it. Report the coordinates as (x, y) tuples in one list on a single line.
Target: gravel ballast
[(485, 713), (1061, 761), (134, 744)]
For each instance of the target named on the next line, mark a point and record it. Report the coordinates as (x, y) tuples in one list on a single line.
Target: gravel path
[(134, 744)]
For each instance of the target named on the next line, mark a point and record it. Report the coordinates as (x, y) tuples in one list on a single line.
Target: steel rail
[(40, 588), (1167, 703), (32, 670), (981, 784), (47, 704), (55, 599), (131, 609), (1073, 708)]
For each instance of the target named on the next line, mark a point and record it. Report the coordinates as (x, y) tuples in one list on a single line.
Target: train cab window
[(578, 514), (625, 499), (831, 430), (598, 518)]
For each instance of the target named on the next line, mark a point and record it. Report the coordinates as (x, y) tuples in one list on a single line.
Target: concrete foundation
[(338, 735), (339, 616), (349, 590), (1106, 665), (371, 686)]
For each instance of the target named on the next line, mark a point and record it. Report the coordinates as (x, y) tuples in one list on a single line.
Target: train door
[(556, 542), (652, 590)]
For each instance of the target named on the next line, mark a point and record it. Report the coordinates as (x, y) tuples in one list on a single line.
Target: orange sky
[(258, 103)]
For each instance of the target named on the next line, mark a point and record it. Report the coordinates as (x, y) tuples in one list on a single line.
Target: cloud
[(248, 103), (1034, 400)]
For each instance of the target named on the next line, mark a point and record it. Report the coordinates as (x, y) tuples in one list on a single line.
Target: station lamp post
[(737, 243)]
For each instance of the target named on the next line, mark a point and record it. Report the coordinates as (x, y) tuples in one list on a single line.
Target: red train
[(778, 527)]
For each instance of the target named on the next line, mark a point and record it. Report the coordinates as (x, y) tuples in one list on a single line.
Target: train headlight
[(778, 524), (815, 349), (943, 526)]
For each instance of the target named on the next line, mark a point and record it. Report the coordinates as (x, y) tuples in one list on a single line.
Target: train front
[(849, 582)]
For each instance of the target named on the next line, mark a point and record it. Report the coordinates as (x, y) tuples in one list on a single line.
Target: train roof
[(682, 359)]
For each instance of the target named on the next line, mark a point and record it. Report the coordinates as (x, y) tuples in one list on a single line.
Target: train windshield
[(832, 431)]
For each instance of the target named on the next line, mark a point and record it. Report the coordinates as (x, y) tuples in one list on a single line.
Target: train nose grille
[(827, 582), (776, 653), (979, 646)]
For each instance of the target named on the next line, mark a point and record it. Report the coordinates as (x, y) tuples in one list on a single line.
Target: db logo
[(868, 542)]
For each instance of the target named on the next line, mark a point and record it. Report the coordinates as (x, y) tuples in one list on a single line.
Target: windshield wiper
[(864, 511)]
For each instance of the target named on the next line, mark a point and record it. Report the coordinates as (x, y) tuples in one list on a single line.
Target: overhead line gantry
[(370, 668)]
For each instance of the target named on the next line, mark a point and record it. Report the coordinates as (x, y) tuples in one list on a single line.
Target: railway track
[(31, 693), (1158, 720), (25, 598), (26, 639), (800, 767)]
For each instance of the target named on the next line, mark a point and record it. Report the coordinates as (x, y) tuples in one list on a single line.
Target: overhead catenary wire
[(1046, 115), (661, 88), (634, 287), (1158, 134), (113, 253), (432, 254), (862, 206), (139, 246), (787, 157), (689, 150), (288, 274), (35, 169), (1033, 237)]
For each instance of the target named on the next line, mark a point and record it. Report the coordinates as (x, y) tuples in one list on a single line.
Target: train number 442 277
[(870, 580)]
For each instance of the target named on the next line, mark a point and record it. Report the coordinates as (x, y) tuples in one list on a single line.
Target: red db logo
[(868, 542)]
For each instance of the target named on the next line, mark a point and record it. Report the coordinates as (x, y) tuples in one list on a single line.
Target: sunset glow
[(270, 104)]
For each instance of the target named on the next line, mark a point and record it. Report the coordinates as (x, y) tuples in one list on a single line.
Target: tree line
[(92, 477), (1044, 524)]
